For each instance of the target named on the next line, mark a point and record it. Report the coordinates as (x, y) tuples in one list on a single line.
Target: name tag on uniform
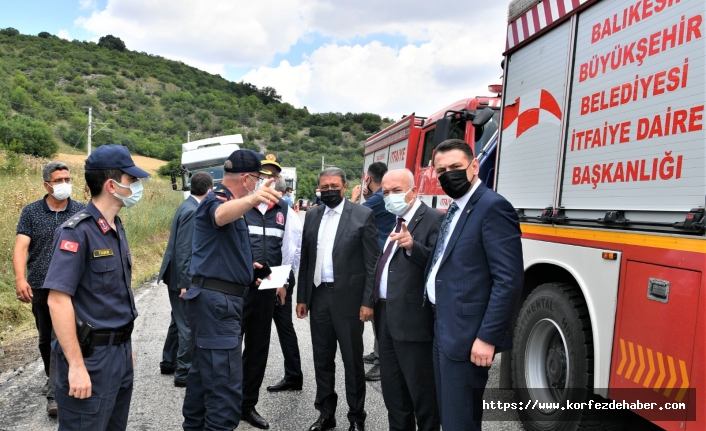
[(103, 252)]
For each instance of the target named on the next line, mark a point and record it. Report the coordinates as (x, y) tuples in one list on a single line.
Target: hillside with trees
[(148, 104)]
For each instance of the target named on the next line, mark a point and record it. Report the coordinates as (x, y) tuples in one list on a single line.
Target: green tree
[(112, 42), (34, 136)]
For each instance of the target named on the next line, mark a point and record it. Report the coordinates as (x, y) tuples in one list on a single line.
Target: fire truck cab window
[(458, 131)]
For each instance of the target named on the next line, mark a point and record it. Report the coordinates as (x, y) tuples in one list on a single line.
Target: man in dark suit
[(405, 328), (176, 355), (339, 251), (474, 281)]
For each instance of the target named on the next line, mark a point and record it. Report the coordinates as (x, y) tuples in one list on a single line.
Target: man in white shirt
[(339, 251), (474, 281), (404, 328)]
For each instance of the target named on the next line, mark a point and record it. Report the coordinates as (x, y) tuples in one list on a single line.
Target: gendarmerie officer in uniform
[(222, 268), (91, 303), (269, 228)]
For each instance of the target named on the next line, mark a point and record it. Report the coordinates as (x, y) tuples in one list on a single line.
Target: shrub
[(112, 42)]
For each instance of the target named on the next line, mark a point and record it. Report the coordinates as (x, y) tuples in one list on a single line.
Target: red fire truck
[(409, 142), (602, 152)]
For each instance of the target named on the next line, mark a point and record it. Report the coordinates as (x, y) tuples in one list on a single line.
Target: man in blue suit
[(474, 281)]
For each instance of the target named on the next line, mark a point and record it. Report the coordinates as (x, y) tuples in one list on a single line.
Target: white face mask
[(135, 188), (396, 204), (62, 191), (258, 183), (318, 194)]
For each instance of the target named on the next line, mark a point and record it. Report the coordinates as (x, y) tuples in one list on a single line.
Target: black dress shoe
[(373, 375), (179, 383), (323, 424), (253, 418), (286, 385), (167, 370), (357, 426), (369, 358)]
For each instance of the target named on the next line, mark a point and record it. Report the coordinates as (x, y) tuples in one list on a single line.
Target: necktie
[(443, 232), (383, 260), (322, 246)]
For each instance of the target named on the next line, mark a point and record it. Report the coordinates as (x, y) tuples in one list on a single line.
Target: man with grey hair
[(339, 251), (32, 254)]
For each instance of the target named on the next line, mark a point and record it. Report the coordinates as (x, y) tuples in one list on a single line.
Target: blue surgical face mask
[(135, 188), (396, 203)]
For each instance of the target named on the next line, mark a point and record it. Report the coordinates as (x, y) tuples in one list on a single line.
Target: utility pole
[(322, 163), (90, 131), (188, 136)]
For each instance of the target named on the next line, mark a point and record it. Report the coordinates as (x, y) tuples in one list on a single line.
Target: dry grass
[(146, 163), (147, 224)]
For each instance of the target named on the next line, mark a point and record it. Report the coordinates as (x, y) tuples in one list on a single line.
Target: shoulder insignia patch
[(103, 225), (69, 246), (221, 198), (280, 218), (76, 219)]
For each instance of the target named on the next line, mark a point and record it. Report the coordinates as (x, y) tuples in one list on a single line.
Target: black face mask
[(331, 198), (455, 183)]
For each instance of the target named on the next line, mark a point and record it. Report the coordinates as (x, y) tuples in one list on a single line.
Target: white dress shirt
[(292, 240), (461, 202), (407, 218), (327, 264)]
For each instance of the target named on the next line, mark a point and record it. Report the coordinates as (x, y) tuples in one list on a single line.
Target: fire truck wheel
[(552, 357)]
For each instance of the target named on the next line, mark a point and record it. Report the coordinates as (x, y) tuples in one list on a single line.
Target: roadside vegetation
[(147, 225), (148, 104)]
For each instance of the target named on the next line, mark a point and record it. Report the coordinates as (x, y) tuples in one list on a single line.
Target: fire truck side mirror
[(442, 130), (484, 116)]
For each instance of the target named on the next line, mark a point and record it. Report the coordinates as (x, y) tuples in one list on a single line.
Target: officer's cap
[(114, 157), (243, 161), (271, 159)]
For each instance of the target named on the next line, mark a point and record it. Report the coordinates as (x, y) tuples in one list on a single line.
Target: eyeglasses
[(60, 180), (256, 178)]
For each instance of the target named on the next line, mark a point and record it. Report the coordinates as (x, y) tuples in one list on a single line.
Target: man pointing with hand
[(222, 268), (403, 325)]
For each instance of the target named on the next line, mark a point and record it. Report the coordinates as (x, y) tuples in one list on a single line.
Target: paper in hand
[(278, 278)]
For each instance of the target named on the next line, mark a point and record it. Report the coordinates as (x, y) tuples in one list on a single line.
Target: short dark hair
[(453, 144), (200, 183), (95, 178), (332, 171), (288, 189), (376, 171)]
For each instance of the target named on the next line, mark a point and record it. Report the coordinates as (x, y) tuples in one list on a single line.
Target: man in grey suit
[(176, 355), (339, 251), (404, 324)]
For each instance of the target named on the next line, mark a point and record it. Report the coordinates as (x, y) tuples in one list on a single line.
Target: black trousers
[(42, 318), (328, 328), (257, 324), (407, 379), (288, 339)]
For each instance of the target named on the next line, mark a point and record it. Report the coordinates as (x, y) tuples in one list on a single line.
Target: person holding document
[(267, 225)]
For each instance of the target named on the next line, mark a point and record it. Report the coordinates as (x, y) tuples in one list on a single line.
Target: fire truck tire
[(552, 361)]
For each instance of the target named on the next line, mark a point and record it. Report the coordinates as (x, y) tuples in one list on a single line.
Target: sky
[(389, 57)]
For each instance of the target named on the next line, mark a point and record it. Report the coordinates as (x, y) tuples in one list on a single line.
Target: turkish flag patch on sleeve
[(69, 246)]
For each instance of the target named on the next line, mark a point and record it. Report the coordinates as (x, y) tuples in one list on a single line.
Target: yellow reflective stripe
[(640, 239)]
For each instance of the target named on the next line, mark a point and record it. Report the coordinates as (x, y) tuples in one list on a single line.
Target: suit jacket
[(480, 277), (177, 256), (355, 251), (407, 317)]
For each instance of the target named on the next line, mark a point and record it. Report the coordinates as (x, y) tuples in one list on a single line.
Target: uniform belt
[(219, 286), (120, 335), (327, 284)]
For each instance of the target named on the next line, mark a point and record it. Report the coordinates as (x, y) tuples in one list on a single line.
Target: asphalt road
[(156, 403)]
